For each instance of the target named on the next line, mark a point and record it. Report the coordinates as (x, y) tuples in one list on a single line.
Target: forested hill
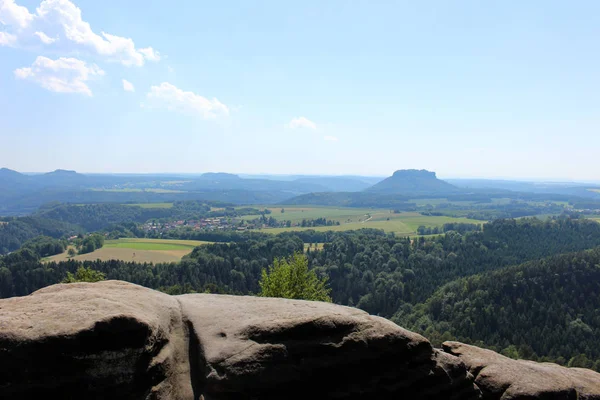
[(546, 309), (413, 182)]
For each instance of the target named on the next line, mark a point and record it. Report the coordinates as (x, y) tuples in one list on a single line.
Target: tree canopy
[(84, 274), (292, 279)]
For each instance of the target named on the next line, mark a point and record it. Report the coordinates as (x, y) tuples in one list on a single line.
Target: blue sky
[(464, 88)]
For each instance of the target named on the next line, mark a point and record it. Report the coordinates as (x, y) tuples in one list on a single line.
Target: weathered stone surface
[(93, 341), (117, 340), (503, 378), (264, 348)]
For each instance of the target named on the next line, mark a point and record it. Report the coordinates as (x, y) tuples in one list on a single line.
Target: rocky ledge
[(122, 341)]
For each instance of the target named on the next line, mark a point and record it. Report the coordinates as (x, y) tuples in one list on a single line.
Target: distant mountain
[(413, 182), (219, 176), (21, 194), (10, 176), (62, 178), (336, 184)]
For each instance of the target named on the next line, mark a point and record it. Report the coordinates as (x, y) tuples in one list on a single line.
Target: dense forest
[(392, 277), (545, 309), (15, 232)]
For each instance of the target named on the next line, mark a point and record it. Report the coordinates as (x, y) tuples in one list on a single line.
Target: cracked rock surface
[(115, 340)]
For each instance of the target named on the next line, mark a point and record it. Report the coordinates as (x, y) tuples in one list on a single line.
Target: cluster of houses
[(196, 225)]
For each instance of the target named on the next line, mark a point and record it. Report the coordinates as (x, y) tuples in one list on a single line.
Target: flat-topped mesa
[(414, 173), (122, 341), (413, 182)]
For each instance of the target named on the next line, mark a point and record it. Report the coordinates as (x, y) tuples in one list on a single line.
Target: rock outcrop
[(264, 348), (121, 341), (500, 377), (93, 341)]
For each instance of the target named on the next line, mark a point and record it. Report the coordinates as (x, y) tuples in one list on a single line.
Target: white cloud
[(128, 86), (45, 38), (14, 15), (65, 75), (64, 17), (150, 54), (174, 99), (302, 122), (330, 138), (6, 39)]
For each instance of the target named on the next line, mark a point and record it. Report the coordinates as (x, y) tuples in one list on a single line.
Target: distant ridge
[(413, 182), (64, 172), (219, 175), (6, 173)]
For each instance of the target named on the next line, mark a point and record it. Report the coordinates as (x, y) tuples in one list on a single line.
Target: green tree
[(291, 279), (84, 275), (71, 252)]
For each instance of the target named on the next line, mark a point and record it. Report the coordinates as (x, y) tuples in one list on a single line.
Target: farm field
[(151, 205), (298, 213), (138, 250), (405, 223)]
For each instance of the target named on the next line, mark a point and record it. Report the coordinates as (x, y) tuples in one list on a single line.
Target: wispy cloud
[(172, 98), (302, 122), (65, 75), (150, 54), (128, 86), (330, 138), (45, 38), (65, 19), (7, 39)]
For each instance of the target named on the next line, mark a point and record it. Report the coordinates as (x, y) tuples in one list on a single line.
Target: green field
[(405, 223), (152, 205), (138, 250), (154, 244)]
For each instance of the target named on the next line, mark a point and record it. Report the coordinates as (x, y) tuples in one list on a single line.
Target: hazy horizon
[(497, 91), (268, 174)]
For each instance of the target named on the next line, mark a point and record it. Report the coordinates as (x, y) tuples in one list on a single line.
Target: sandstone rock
[(115, 340), (93, 341), (264, 348), (503, 378)]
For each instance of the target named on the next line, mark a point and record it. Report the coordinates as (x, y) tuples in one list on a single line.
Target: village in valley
[(203, 224)]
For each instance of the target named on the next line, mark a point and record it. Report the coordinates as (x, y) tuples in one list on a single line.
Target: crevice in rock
[(197, 361)]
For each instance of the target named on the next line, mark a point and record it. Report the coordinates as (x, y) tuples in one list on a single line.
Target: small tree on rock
[(84, 275), (292, 279)]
